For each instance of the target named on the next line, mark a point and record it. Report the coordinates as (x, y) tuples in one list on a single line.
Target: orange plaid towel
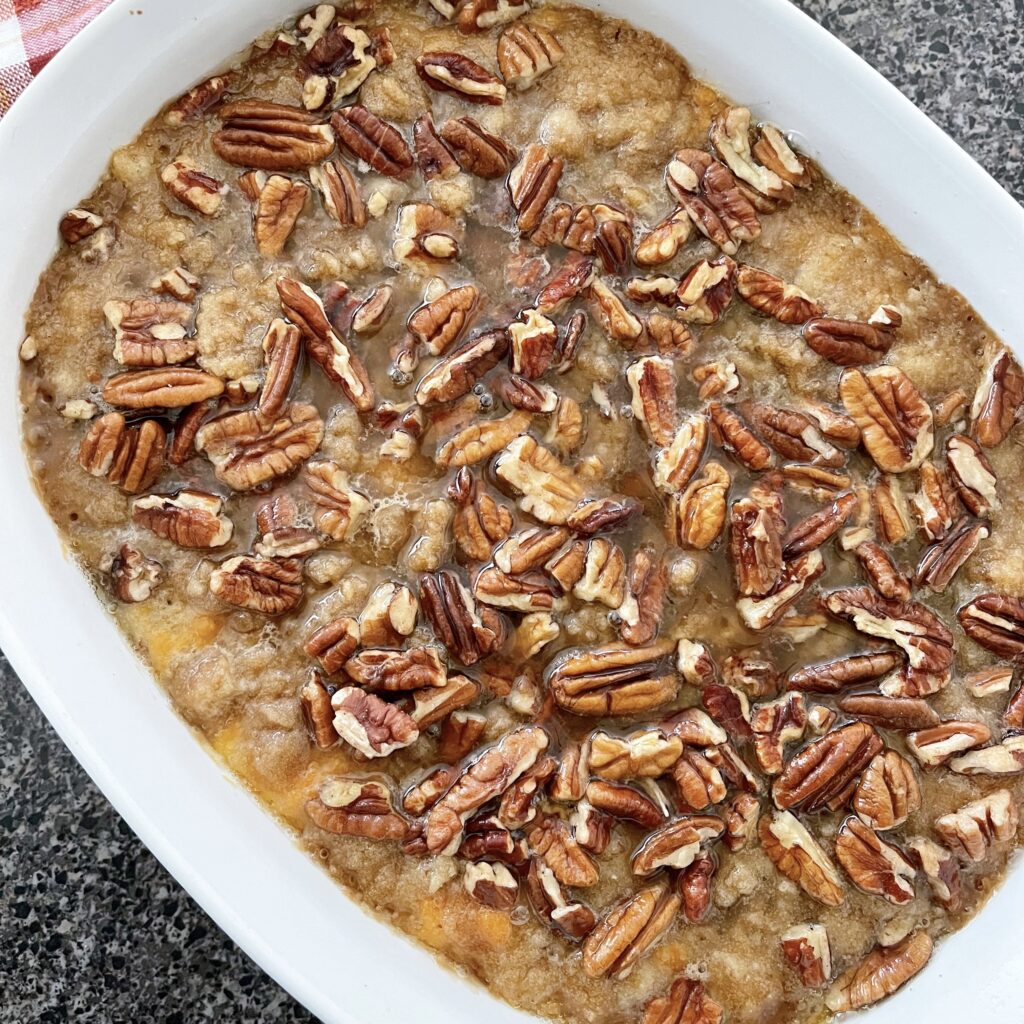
[(31, 32)]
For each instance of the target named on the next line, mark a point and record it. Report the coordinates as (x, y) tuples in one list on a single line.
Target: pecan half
[(480, 522), (937, 744), (793, 435), (552, 841), (573, 278), (477, 150), (526, 53), (916, 630), (491, 885), (434, 703), (371, 725), (468, 631), (997, 401), (798, 856), (334, 643), (652, 381), (278, 204), (847, 342), (192, 187), (971, 830), (762, 612), (939, 866), (372, 140), (941, 562), (640, 614), (731, 432), (814, 530), (480, 15), (339, 363), (825, 772), (972, 474), (996, 622), (248, 448), (630, 928), (612, 679), (675, 465), (549, 491), (883, 971), (282, 348), (687, 1002), (169, 388), (533, 341), (268, 585), (625, 803), (844, 673), (895, 421), (809, 952), (902, 714), (340, 193), (432, 155), (697, 516), (532, 185), (480, 441), (381, 668), (647, 753), (705, 291), (486, 778), (190, 519), (699, 783), (130, 457), (730, 136), (775, 724), (874, 866), (457, 372), (357, 807), (573, 920), (755, 542), (677, 844), (771, 295), (934, 505), (620, 324), (1006, 758), (150, 332), (528, 593), (388, 616), (133, 576), (271, 136), (456, 73), (881, 572), (340, 509), (529, 549), (662, 243), (197, 101)]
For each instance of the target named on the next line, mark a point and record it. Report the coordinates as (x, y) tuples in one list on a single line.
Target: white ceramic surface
[(213, 837)]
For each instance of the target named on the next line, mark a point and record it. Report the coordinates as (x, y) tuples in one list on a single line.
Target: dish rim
[(204, 877)]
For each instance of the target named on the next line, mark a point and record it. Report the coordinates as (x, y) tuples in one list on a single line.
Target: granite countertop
[(92, 928)]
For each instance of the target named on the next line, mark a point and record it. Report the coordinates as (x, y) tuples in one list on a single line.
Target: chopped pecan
[(604, 574), (388, 616), (271, 136), (624, 803), (916, 630), (282, 347), (130, 457), (340, 193), (807, 949), (468, 631), (533, 341), (675, 466), (612, 679), (77, 225), (461, 731), (432, 155), (371, 725), (892, 516), (996, 622), (793, 435), (572, 774), (150, 332), (338, 63), (574, 920), (315, 700), (798, 856), (620, 324), (480, 441), (652, 381), (439, 324), (752, 672), (457, 372), (998, 401), (248, 448), (730, 136), (278, 203), (357, 807), (697, 516), (699, 783), (1013, 716), (486, 778), (425, 793), (705, 291), (529, 549), (824, 773), (662, 243), (771, 295), (191, 519), (573, 278), (709, 193), (518, 803), (902, 714), (934, 505), (741, 817), (895, 421), (334, 643), (592, 515), (528, 593), (761, 612), (755, 541), (847, 342), (373, 312), (630, 928), (552, 841), (881, 572), (491, 885), (874, 866), (938, 743), (549, 491), (880, 973), (532, 185), (527, 53), (774, 724), (730, 707), (372, 140), (169, 388), (972, 474), (425, 234), (941, 562), (812, 531), (378, 668), (677, 844), (133, 576), (733, 435), (987, 681), (1006, 758), (647, 753), (193, 187), (197, 101), (640, 614), (340, 509), (456, 73), (687, 1002), (178, 283), (971, 830), (519, 393), (434, 703), (669, 336), (774, 151), (481, 15), (477, 150), (653, 289), (480, 522), (939, 866), (339, 363)]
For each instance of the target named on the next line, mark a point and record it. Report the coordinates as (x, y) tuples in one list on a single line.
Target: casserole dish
[(114, 722)]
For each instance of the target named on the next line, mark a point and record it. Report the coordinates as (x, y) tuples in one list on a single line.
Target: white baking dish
[(230, 855)]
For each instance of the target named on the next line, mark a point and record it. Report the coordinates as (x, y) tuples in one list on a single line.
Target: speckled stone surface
[(92, 929)]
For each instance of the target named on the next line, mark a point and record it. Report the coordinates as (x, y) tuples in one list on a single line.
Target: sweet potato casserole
[(562, 505)]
